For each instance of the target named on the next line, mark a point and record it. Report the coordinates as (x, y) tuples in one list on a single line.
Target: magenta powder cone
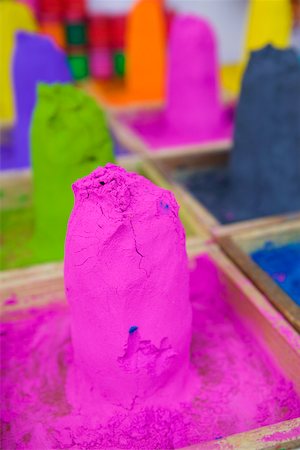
[(194, 112)]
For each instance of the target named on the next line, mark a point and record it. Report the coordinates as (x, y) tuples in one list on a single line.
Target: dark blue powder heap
[(282, 263), (263, 176)]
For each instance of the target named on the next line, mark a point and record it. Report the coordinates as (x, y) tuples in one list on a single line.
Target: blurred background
[(92, 32)]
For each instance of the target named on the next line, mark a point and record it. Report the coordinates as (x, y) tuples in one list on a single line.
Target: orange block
[(145, 58), (54, 30)]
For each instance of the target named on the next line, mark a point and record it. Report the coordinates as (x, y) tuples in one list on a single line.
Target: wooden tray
[(37, 286), (166, 164), (239, 244)]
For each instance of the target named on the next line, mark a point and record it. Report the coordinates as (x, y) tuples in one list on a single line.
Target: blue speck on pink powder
[(132, 329)]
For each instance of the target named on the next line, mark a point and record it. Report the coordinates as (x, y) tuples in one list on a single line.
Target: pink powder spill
[(281, 435), (194, 112), (240, 388)]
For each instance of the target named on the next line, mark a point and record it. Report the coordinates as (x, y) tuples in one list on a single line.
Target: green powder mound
[(69, 139)]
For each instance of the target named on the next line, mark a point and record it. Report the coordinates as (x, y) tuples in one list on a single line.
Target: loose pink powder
[(239, 386), (194, 113), (283, 435)]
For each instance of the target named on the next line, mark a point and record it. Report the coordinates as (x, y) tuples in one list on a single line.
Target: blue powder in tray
[(216, 190), (282, 263)]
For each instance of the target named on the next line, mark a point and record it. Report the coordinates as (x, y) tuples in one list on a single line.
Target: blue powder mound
[(265, 160), (263, 175), (282, 263)]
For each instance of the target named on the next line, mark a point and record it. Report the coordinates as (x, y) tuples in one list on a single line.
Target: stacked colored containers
[(95, 45), (55, 30), (99, 43), (50, 18), (50, 9), (76, 38), (106, 36), (118, 26)]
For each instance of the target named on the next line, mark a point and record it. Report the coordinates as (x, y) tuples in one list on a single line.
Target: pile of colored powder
[(194, 113), (36, 59), (282, 263), (127, 283), (266, 145), (240, 387), (69, 138)]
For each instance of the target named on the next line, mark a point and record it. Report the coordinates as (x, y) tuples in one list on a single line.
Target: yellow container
[(14, 16), (268, 22)]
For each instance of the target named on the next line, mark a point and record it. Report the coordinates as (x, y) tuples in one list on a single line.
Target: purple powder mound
[(36, 59), (241, 388)]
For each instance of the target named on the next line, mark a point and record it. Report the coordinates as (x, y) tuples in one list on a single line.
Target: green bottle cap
[(76, 33), (119, 63), (79, 66)]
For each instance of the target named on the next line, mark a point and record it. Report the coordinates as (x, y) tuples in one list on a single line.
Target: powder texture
[(263, 176), (282, 262), (126, 278), (69, 138), (239, 386), (194, 112), (36, 59)]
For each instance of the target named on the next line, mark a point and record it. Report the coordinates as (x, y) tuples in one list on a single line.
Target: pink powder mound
[(239, 386), (194, 112), (126, 279)]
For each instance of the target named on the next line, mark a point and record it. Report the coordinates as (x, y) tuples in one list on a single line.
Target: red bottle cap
[(170, 16), (50, 9), (99, 31), (74, 9), (117, 32)]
